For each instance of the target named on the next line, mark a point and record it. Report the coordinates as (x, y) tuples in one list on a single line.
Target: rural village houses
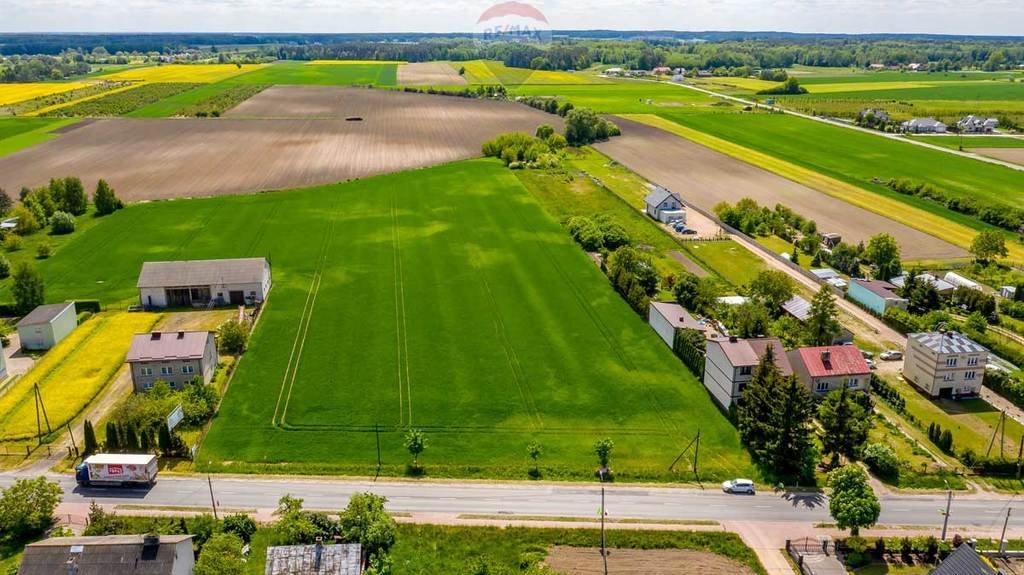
[(825, 369), (977, 125), (243, 281), (947, 365), (110, 555), (176, 358), (669, 318), (923, 126)]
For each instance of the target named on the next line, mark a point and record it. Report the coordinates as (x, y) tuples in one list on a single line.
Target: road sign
[(175, 418)]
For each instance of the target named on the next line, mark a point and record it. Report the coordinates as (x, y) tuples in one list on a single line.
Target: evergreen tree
[(822, 325), (145, 444), (90, 446), (165, 441), (131, 438), (753, 415), (105, 200), (113, 439), (793, 440), (845, 422)]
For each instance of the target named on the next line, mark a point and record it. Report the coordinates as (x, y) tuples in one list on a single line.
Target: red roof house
[(823, 369)]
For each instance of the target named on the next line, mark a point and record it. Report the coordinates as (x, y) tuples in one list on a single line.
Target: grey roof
[(797, 307), (302, 560), (112, 555), (949, 342), (964, 561), (923, 122), (882, 289), (201, 272), (748, 352), (825, 273), (45, 313), (677, 316), (658, 195), (164, 346)]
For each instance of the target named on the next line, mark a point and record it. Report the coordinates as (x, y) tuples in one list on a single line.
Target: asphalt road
[(542, 499)]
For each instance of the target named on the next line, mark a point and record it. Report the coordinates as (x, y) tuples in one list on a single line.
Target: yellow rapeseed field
[(344, 62), (752, 84), (198, 73), (71, 374), (13, 93)]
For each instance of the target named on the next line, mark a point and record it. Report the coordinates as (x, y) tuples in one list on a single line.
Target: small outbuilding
[(243, 281), (175, 357), (110, 555), (318, 559), (45, 326), (670, 318), (876, 295)]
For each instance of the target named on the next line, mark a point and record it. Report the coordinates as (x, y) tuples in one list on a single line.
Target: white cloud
[(835, 16)]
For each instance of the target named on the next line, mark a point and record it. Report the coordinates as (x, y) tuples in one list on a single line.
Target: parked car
[(688, 231), (891, 355), (871, 364), (867, 354), (738, 486)]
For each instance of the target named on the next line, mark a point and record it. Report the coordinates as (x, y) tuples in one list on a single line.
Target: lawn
[(918, 469), (188, 73), (446, 299), (71, 374), (11, 93), (628, 97), (20, 133), (324, 74)]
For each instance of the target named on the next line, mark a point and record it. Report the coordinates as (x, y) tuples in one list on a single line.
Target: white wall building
[(202, 282)]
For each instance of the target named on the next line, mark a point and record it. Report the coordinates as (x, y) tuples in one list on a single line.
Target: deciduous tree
[(883, 252), (28, 289), (823, 323), (26, 507), (853, 504), (988, 246), (221, 555)]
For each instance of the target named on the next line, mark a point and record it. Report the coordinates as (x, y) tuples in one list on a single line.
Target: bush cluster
[(882, 460), (520, 150), (597, 233), (889, 394), (480, 92), (998, 215), (942, 438)]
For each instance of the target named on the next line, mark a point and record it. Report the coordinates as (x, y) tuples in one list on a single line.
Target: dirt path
[(588, 561)]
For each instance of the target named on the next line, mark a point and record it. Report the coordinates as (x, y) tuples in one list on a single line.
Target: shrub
[(62, 223), (13, 242), (5, 267), (232, 337), (882, 460), (44, 250)]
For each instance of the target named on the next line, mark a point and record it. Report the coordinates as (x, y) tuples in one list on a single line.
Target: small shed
[(315, 559), (669, 318), (1008, 292), (45, 326)]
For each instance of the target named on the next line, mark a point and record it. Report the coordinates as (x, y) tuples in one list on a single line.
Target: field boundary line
[(401, 327)]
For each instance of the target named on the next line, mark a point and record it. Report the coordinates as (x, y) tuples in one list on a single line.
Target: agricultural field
[(624, 97), (206, 99), (185, 73), (120, 102), (398, 294), (71, 374), (706, 177), (429, 74), (327, 73), (197, 157), (494, 72), (20, 133), (13, 93)]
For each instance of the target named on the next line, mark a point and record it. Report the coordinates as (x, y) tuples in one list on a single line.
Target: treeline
[(1005, 217), (42, 68)]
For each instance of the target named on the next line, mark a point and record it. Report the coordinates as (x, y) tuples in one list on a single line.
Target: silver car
[(891, 355), (738, 486)]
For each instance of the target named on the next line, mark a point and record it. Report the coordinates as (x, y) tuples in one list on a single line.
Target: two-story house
[(730, 362), (176, 358), (824, 369), (945, 364), (665, 206)]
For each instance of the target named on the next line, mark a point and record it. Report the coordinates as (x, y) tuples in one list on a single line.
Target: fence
[(815, 556)]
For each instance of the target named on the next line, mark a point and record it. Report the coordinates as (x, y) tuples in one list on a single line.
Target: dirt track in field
[(429, 74), (705, 178), (1013, 155), (303, 140), (588, 561)]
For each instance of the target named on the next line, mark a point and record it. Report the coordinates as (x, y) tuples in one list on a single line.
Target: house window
[(852, 382), (746, 370), (188, 369), (166, 370), (822, 386), (148, 385), (146, 371), (173, 385), (968, 376), (972, 361), (950, 362), (947, 377)]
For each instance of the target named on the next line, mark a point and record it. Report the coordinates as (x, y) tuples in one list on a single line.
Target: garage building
[(45, 326), (195, 283)]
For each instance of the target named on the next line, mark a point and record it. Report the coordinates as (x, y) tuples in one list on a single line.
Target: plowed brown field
[(429, 74), (1013, 155), (705, 178), (301, 138)]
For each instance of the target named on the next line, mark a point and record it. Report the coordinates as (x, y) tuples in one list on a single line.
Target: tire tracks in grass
[(299, 343), (401, 327)]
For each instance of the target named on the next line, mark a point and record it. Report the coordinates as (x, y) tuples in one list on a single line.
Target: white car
[(891, 355), (738, 486)]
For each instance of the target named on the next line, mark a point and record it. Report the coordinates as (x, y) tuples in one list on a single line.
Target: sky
[(977, 17)]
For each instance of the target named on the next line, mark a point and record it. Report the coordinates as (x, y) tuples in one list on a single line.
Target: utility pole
[(945, 519), (213, 501), (604, 550), (1002, 538)]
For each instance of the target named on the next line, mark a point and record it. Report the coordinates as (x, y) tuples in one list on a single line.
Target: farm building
[(1008, 292), (665, 206), (661, 71), (614, 72), (729, 365), (204, 282), (732, 300), (940, 285), (669, 318), (823, 369), (175, 357), (964, 561), (800, 309), (315, 559), (110, 555), (959, 281), (825, 274), (876, 295), (45, 326), (977, 125), (948, 364), (830, 240), (923, 126)]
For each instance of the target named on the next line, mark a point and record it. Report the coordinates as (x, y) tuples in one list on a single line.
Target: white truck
[(117, 469)]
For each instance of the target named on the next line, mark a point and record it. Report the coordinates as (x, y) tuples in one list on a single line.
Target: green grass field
[(625, 97), (446, 299), (20, 133), (340, 74)]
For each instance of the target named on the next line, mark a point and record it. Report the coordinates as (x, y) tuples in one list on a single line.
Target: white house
[(977, 125), (729, 365), (669, 318), (947, 365), (924, 126), (665, 206), (47, 325), (243, 281)]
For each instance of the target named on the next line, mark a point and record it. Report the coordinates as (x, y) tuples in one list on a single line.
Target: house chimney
[(319, 553), (155, 336), (733, 339), (181, 335), (826, 356)]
